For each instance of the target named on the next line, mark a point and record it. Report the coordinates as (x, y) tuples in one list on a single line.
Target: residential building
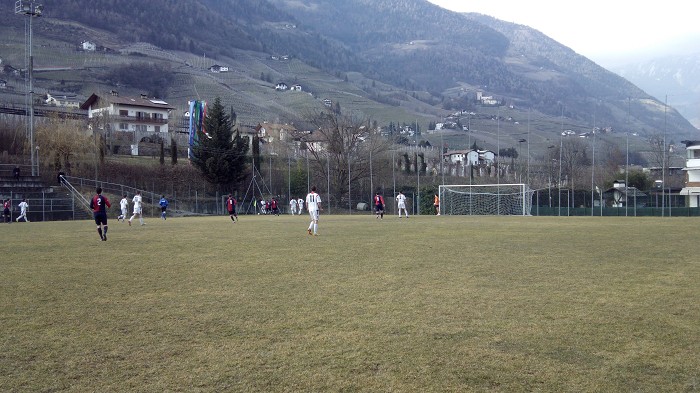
[(626, 196), (691, 187), (270, 132), (88, 46), (64, 100), (133, 119), (218, 68)]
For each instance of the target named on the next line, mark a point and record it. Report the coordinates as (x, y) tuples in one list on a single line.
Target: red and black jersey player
[(99, 205)]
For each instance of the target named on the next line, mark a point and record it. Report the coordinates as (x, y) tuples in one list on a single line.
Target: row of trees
[(353, 160), (347, 157)]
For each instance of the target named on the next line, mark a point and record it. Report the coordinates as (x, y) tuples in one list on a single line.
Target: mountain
[(389, 60), (673, 78)]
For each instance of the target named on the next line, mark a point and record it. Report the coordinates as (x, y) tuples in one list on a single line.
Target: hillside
[(389, 60)]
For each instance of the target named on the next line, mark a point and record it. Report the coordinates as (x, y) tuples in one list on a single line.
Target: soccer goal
[(486, 199)]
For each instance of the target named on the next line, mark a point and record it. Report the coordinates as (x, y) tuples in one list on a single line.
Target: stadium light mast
[(498, 162), (627, 156), (371, 180), (593, 160), (527, 178), (442, 155), (469, 146), (393, 167), (31, 9), (663, 162), (561, 146)]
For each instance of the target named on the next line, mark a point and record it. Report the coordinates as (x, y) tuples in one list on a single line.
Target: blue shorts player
[(99, 205)]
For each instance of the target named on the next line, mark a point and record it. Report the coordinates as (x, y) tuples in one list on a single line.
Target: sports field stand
[(46, 202)]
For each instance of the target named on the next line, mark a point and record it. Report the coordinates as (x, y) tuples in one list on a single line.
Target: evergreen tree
[(173, 151), (221, 157)]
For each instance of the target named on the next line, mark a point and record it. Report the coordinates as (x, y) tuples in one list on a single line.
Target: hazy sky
[(596, 29)]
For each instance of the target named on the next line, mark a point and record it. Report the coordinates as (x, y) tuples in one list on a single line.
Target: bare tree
[(574, 157), (341, 147), (63, 142)]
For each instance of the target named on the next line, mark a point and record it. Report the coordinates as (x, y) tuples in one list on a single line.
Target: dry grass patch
[(424, 304)]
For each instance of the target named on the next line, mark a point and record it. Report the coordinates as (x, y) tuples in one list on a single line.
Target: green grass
[(426, 304)]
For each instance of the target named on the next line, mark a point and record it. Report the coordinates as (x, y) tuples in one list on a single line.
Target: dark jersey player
[(231, 207), (99, 205), (379, 205)]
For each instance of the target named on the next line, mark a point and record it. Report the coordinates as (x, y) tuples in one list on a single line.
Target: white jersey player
[(138, 208), (300, 205), (124, 205), (313, 205), (23, 206), (293, 206), (401, 201)]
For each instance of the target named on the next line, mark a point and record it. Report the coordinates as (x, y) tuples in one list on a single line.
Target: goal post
[(486, 199)]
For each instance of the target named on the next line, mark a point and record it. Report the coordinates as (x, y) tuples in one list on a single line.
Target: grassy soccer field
[(428, 304)]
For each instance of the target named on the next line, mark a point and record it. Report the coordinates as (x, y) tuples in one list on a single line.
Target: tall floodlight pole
[(289, 174), (663, 162), (561, 146), (469, 150), (529, 111), (371, 183), (417, 186), (393, 167), (593, 162), (30, 9), (308, 174), (627, 156), (442, 156), (349, 198), (498, 162), (498, 145)]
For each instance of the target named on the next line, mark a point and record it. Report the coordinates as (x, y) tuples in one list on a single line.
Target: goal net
[(486, 199)]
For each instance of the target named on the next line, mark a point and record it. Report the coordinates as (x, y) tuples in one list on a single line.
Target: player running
[(138, 208), (300, 205), (23, 206), (313, 205), (124, 206), (293, 206), (231, 207), (163, 206), (99, 205)]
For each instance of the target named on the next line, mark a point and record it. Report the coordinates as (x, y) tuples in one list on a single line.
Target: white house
[(486, 157), (88, 46), (269, 132), (626, 196), (218, 68), (281, 86), (470, 157), (62, 100), (296, 88), (138, 119), (455, 157), (692, 174)]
